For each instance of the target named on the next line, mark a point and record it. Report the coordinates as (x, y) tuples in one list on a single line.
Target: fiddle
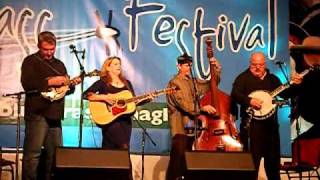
[(311, 50), (312, 56)]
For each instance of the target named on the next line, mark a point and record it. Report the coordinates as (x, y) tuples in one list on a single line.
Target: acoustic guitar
[(103, 113)]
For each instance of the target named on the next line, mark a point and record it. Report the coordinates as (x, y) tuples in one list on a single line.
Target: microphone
[(72, 47), (73, 50), (83, 53), (280, 63)]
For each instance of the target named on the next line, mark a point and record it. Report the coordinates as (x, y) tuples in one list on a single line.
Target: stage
[(155, 167)]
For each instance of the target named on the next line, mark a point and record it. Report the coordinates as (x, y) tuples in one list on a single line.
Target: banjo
[(268, 107)]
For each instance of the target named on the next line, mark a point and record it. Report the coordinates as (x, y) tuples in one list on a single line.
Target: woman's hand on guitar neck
[(150, 97)]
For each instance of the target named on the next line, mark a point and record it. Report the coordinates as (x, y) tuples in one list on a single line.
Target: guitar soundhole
[(121, 103), (119, 107), (117, 110)]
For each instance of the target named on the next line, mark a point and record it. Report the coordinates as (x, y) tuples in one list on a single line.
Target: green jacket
[(181, 104)]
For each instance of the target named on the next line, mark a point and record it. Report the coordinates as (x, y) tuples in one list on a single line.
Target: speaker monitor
[(84, 163), (219, 165)]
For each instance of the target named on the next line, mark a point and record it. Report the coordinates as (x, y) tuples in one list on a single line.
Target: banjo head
[(267, 109)]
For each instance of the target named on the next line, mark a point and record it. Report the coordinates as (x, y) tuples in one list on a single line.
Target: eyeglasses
[(257, 64), (186, 64)]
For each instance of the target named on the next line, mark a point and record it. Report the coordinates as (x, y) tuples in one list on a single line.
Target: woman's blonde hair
[(104, 74)]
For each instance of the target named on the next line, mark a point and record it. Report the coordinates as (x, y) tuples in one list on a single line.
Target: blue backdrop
[(152, 35)]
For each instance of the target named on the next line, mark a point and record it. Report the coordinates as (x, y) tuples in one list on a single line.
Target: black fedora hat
[(297, 33), (184, 58)]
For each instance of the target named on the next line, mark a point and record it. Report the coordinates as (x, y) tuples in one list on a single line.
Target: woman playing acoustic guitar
[(116, 134), (109, 106)]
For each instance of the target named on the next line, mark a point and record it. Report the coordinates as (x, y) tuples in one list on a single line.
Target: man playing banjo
[(262, 128)]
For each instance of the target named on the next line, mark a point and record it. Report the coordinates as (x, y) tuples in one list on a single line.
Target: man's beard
[(46, 57)]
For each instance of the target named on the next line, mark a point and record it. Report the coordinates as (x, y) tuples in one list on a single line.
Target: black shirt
[(307, 94), (246, 83), (34, 74), (100, 87)]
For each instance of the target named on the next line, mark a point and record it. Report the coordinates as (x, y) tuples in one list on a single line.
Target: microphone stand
[(143, 140), (247, 127), (82, 74), (249, 119), (283, 72), (18, 96), (196, 107), (295, 116)]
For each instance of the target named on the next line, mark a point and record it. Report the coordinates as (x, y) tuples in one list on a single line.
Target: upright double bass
[(219, 132)]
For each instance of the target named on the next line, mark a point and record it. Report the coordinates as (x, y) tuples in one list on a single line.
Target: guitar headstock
[(92, 73), (172, 89)]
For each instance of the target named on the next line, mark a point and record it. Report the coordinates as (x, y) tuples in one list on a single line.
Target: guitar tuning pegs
[(176, 88), (93, 73)]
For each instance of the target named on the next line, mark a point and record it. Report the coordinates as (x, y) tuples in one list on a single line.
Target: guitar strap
[(48, 65), (129, 87)]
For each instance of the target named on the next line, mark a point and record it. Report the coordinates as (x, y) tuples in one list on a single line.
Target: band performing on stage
[(219, 108), (201, 117)]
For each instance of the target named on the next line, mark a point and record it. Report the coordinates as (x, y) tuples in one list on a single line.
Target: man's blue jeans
[(39, 132)]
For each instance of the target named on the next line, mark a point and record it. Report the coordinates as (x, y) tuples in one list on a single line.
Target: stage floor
[(155, 167)]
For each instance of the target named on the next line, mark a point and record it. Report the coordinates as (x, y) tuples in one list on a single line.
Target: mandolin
[(56, 93)]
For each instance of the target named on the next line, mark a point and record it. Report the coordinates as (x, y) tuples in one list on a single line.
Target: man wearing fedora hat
[(305, 115), (183, 107)]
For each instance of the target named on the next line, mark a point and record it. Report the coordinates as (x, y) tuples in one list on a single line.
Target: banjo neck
[(268, 107), (283, 87)]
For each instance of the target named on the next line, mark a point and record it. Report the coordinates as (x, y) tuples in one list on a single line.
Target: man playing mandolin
[(39, 72)]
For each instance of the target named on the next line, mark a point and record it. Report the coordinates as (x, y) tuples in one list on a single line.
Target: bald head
[(258, 64), (257, 57)]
